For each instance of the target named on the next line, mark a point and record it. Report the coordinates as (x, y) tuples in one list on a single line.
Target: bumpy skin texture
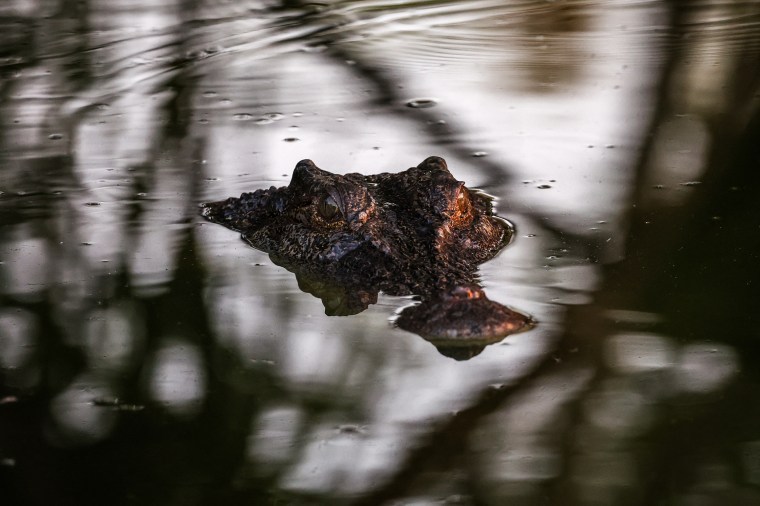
[(347, 237)]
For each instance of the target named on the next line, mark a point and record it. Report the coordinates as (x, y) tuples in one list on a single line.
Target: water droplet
[(243, 116), (422, 103), (291, 139), (610, 146), (691, 183), (103, 107), (92, 204), (209, 94), (480, 154), (531, 235), (543, 186), (203, 121), (658, 186), (350, 429), (274, 116), (297, 114), (225, 101), (55, 137), (85, 244), (263, 121)]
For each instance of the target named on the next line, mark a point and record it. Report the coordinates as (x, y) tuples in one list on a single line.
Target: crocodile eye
[(328, 209)]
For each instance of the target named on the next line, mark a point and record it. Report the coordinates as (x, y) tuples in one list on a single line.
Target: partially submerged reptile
[(417, 232)]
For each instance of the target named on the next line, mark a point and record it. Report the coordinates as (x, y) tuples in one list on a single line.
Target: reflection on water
[(149, 357)]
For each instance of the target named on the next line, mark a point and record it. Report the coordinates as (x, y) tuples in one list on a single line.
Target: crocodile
[(418, 232)]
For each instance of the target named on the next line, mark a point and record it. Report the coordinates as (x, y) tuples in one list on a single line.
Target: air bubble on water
[(291, 139), (92, 204), (203, 121), (422, 103), (479, 154), (691, 183), (263, 121), (210, 94), (55, 137), (274, 116), (543, 186), (243, 116)]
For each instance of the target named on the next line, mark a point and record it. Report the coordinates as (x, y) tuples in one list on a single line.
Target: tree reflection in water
[(147, 358)]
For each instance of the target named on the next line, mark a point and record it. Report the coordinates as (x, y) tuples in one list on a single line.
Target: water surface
[(149, 357)]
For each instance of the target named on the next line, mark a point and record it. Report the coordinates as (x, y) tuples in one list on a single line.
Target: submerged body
[(347, 237)]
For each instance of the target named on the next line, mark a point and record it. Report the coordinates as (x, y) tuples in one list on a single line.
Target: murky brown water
[(149, 357)]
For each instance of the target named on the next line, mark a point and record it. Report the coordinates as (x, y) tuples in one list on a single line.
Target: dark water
[(148, 357)]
